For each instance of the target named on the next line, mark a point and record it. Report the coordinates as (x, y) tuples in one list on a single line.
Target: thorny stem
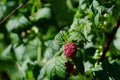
[(12, 12), (111, 37)]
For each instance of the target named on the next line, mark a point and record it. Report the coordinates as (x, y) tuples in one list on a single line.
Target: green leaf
[(117, 44), (95, 4), (116, 41), (17, 24), (29, 74), (99, 73), (11, 68), (108, 70), (43, 13), (13, 52), (14, 38), (19, 51), (6, 53), (80, 29), (69, 4), (113, 69), (31, 49), (3, 8), (56, 68), (51, 48), (61, 37), (96, 19), (77, 36), (82, 4), (42, 73)]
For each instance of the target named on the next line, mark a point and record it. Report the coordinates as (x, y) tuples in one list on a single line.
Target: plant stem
[(111, 37), (13, 11), (58, 53), (39, 52)]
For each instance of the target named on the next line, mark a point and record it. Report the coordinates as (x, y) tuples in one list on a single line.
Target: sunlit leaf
[(43, 13), (80, 29), (56, 68), (17, 24), (96, 20), (61, 37)]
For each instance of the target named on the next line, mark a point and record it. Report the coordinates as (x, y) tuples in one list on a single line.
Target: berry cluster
[(70, 50)]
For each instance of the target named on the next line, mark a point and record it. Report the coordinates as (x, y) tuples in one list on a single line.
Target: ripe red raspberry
[(70, 49), (69, 66)]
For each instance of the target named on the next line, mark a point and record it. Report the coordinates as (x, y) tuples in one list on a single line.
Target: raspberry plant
[(59, 40)]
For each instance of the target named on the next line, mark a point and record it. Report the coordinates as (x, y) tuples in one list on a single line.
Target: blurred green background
[(27, 38)]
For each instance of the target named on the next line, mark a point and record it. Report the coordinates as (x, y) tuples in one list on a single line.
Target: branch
[(107, 45), (12, 12)]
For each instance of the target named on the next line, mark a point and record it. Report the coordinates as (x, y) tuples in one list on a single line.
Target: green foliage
[(62, 37), (56, 68), (18, 24), (32, 39), (43, 13), (79, 29), (107, 70)]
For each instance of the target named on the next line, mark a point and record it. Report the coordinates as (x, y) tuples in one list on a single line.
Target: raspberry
[(70, 49), (69, 66)]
